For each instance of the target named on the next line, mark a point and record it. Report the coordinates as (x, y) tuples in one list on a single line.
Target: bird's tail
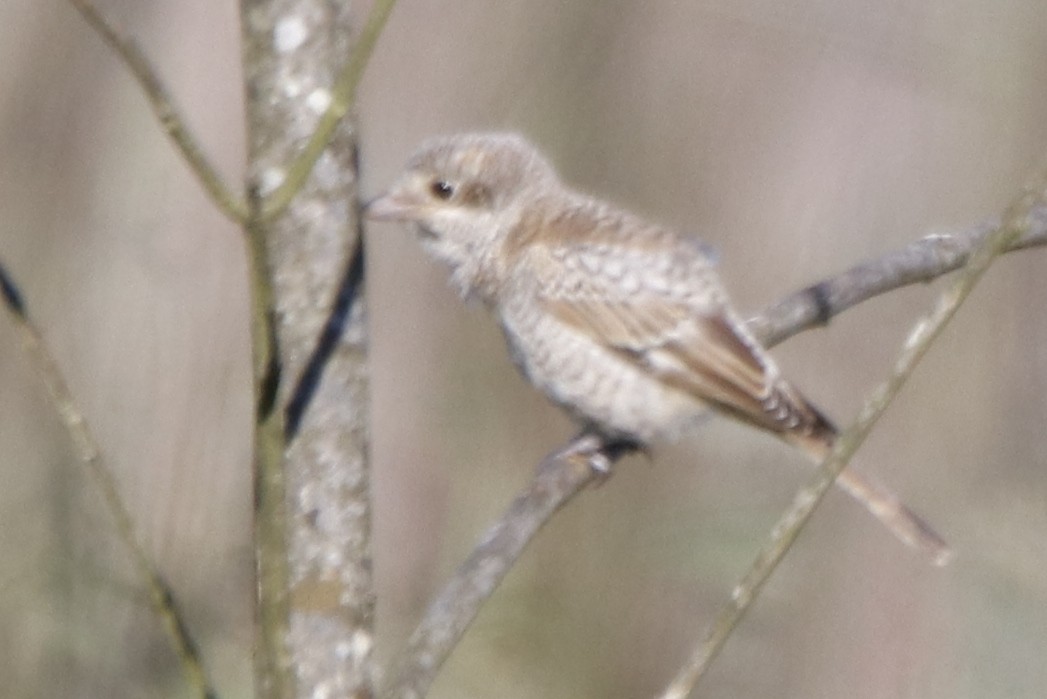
[(883, 504), (905, 524)]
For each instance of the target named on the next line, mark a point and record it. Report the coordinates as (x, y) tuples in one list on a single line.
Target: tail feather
[(914, 531), (905, 524)]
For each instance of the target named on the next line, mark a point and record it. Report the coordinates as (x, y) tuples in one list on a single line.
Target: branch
[(922, 261), (342, 97), (313, 520), (163, 107), (160, 593), (1017, 223), (457, 604), (559, 477)]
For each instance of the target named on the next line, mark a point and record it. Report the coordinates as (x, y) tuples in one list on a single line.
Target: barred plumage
[(623, 323)]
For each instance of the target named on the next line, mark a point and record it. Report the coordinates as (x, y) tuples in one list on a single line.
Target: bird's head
[(465, 194)]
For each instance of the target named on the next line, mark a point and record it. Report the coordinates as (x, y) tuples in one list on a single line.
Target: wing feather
[(660, 307)]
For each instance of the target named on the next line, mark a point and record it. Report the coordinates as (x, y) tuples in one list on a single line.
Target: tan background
[(796, 138)]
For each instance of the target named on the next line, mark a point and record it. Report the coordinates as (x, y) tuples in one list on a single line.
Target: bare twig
[(458, 603), (272, 662), (1017, 222), (922, 261), (87, 449), (163, 106), (342, 97)]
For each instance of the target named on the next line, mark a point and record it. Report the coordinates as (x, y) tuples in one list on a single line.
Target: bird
[(623, 323)]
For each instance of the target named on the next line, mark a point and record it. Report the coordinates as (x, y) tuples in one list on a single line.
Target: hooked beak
[(391, 206)]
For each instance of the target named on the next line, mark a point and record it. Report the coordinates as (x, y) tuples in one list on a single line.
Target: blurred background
[(795, 138)]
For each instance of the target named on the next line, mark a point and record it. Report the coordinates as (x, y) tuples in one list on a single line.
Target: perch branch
[(164, 109), (559, 477), (87, 449), (458, 603)]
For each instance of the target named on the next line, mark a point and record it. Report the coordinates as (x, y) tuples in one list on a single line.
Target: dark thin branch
[(163, 107), (560, 479), (11, 294), (327, 342), (90, 455)]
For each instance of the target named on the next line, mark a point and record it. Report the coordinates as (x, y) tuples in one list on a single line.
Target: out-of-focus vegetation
[(796, 138)]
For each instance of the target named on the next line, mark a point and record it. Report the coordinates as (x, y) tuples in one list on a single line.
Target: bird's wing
[(661, 307)]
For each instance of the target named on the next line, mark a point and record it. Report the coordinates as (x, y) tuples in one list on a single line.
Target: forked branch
[(163, 106)]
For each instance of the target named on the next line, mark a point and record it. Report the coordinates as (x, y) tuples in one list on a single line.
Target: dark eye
[(441, 189)]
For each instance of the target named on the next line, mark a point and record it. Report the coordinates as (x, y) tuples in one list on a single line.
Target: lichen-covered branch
[(339, 100), (316, 598), (304, 246)]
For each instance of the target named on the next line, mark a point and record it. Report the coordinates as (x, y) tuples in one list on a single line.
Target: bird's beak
[(391, 206)]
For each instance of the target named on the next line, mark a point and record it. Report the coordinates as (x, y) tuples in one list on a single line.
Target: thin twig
[(87, 449), (163, 106), (921, 261), (1016, 224), (342, 97), (275, 677), (454, 608)]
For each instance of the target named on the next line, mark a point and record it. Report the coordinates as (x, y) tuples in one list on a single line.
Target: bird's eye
[(441, 189)]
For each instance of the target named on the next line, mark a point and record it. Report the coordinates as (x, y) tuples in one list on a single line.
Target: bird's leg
[(598, 452)]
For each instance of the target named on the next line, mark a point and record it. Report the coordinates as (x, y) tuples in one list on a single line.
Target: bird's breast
[(595, 383)]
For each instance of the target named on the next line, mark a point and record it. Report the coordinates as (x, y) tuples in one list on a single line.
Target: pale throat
[(472, 249)]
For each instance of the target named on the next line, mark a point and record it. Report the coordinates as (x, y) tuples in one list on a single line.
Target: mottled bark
[(317, 635)]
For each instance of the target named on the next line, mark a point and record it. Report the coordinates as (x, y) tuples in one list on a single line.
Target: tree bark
[(317, 631)]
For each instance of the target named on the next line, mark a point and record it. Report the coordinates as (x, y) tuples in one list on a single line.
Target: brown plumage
[(623, 323)]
